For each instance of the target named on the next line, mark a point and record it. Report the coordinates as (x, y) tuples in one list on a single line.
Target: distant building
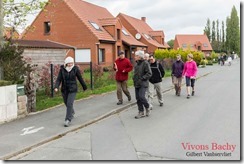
[(144, 33), (8, 33), (193, 42)]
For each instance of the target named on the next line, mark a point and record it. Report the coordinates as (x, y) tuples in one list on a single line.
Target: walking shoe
[(120, 102), (140, 115), (66, 123), (148, 111), (188, 96), (192, 93), (151, 107), (129, 98), (161, 104)]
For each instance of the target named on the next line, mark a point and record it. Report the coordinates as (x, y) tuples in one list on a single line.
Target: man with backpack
[(155, 82)]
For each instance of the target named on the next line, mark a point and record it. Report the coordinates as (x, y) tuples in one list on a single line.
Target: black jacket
[(157, 72), (68, 80), (177, 68), (142, 74)]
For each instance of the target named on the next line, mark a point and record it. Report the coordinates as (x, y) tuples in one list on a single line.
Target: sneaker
[(148, 111), (129, 98), (161, 104), (151, 107), (140, 115), (120, 102), (192, 93), (188, 96), (66, 123)]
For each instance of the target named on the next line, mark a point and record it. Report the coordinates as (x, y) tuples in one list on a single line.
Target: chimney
[(143, 19)]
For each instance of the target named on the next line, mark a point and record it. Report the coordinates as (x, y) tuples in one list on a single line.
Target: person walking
[(177, 70), (155, 82), (122, 66), (67, 76), (190, 72), (142, 74)]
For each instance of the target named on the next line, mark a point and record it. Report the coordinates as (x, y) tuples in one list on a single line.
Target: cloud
[(173, 17)]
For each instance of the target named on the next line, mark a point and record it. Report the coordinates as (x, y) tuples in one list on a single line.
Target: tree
[(218, 36), (15, 12), (171, 43), (213, 37), (233, 32), (13, 64), (207, 29), (223, 36)]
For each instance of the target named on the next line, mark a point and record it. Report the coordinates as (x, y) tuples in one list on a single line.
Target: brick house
[(144, 33), (93, 30), (8, 33), (193, 42)]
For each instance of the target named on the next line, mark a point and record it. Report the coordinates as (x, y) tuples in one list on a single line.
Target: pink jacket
[(190, 69)]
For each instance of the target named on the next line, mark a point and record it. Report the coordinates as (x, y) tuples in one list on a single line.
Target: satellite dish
[(138, 36)]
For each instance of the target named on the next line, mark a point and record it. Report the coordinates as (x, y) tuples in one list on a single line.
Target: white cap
[(140, 53), (68, 60)]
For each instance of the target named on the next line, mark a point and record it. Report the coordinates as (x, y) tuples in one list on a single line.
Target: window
[(101, 57), (125, 32), (147, 36), (118, 34), (184, 45), (95, 26), (47, 27), (205, 44)]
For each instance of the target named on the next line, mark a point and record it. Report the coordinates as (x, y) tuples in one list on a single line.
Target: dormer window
[(205, 44), (147, 36), (47, 27), (95, 26), (125, 32), (184, 45)]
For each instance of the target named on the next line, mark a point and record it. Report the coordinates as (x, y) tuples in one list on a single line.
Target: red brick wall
[(66, 28)]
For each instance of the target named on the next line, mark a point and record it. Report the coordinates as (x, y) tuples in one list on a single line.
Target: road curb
[(77, 127)]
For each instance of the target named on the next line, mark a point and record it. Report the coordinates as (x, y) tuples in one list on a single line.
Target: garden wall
[(11, 105)]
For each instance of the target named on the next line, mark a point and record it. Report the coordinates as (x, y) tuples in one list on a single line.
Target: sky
[(173, 16)]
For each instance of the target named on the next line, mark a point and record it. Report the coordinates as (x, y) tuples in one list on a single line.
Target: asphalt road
[(204, 127)]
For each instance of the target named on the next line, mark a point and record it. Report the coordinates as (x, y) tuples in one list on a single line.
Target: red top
[(124, 66)]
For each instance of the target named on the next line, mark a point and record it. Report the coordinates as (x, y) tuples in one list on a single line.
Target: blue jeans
[(69, 99)]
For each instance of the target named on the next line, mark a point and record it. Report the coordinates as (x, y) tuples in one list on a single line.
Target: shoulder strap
[(159, 70)]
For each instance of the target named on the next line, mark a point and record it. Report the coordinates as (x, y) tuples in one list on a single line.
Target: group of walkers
[(148, 74), (223, 58), (147, 77)]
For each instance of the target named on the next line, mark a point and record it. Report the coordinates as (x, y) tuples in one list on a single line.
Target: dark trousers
[(141, 99), (69, 99), (190, 82)]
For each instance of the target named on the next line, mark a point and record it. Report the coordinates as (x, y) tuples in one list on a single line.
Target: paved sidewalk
[(36, 129)]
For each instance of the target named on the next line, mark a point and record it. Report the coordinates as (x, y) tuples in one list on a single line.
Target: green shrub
[(209, 63), (163, 54), (5, 83)]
